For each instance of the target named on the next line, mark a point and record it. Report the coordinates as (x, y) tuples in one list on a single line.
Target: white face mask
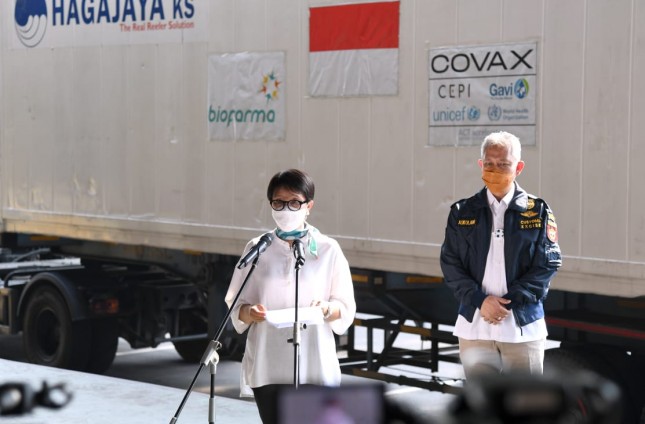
[(288, 220)]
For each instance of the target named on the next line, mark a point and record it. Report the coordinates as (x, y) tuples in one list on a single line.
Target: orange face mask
[(499, 183)]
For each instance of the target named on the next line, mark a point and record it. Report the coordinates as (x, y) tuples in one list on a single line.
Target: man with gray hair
[(499, 255)]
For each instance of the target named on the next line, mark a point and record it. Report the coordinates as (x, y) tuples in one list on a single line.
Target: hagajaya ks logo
[(270, 86), (31, 21)]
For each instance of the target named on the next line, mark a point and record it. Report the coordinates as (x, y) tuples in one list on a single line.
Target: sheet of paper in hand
[(281, 318)]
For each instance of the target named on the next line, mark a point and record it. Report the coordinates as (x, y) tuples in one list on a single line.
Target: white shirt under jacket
[(495, 283), (269, 358)]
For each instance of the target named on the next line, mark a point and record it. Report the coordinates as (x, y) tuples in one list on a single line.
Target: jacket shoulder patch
[(551, 228)]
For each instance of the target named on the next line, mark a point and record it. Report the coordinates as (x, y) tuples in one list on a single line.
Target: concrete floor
[(147, 385), (100, 399)]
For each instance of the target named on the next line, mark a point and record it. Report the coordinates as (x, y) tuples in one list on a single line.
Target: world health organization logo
[(31, 21), (494, 112)]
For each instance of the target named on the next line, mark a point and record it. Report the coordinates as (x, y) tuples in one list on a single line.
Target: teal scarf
[(297, 234)]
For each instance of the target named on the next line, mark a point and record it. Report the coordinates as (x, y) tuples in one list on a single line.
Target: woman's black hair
[(293, 180)]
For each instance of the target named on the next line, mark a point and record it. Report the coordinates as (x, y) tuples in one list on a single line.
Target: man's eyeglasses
[(293, 205)]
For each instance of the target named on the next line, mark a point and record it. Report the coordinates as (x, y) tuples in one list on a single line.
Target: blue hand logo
[(31, 21)]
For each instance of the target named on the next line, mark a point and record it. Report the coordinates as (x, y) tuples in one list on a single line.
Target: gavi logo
[(31, 21)]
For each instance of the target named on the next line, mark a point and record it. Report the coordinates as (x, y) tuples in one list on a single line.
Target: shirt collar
[(506, 200)]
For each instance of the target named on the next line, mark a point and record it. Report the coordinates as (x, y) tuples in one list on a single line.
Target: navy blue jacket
[(531, 252)]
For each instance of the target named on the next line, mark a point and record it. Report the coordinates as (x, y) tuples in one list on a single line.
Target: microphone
[(299, 252), (260, 247)]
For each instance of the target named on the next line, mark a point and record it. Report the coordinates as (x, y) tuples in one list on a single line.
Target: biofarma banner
[(246, 96), (71, 23)]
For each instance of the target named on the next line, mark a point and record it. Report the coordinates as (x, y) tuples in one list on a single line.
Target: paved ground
[(147, 385), (101, 399)]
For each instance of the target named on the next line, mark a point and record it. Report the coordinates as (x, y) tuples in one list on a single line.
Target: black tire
[(191, 350), (233, 344), (232, 347), (50, 337), (105, 340)]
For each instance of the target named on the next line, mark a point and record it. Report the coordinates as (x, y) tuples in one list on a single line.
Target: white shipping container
[(104, 136)]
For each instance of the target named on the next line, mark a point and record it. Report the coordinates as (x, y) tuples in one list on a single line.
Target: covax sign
[(475, 90)]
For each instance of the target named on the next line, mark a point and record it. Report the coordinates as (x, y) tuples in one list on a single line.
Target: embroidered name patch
[(467, 222), (530, 224)]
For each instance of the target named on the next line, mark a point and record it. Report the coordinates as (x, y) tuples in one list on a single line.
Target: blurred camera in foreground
[(582, 397), (20, 398)]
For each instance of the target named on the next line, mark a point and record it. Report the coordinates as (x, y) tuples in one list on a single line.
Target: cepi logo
[(31, 21)]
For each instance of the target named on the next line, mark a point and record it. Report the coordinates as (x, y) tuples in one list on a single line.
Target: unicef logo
[(494, 112), (473, 113), (31, 21), (521, 88)]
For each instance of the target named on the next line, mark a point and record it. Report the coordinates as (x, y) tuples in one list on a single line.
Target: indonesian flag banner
[(354, 49)]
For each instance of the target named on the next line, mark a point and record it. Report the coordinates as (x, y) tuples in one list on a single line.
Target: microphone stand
[(211, 357), (296, 325)]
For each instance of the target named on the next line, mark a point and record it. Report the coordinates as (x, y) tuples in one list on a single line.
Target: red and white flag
[(354, 49)]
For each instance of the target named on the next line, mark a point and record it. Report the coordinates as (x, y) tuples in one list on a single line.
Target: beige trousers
[(489, 356)]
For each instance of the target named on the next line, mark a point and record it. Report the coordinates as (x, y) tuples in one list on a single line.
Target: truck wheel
[(232, 348), (50, 337), (191, 350), (233, 344), (105, 340)]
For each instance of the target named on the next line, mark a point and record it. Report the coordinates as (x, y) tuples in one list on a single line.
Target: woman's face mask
[(288, 220)]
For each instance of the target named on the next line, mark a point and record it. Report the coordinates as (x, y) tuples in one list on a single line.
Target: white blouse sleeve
[(233, 288), (342, 293)]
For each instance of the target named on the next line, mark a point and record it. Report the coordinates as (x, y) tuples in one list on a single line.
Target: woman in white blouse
[(324, 281)]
